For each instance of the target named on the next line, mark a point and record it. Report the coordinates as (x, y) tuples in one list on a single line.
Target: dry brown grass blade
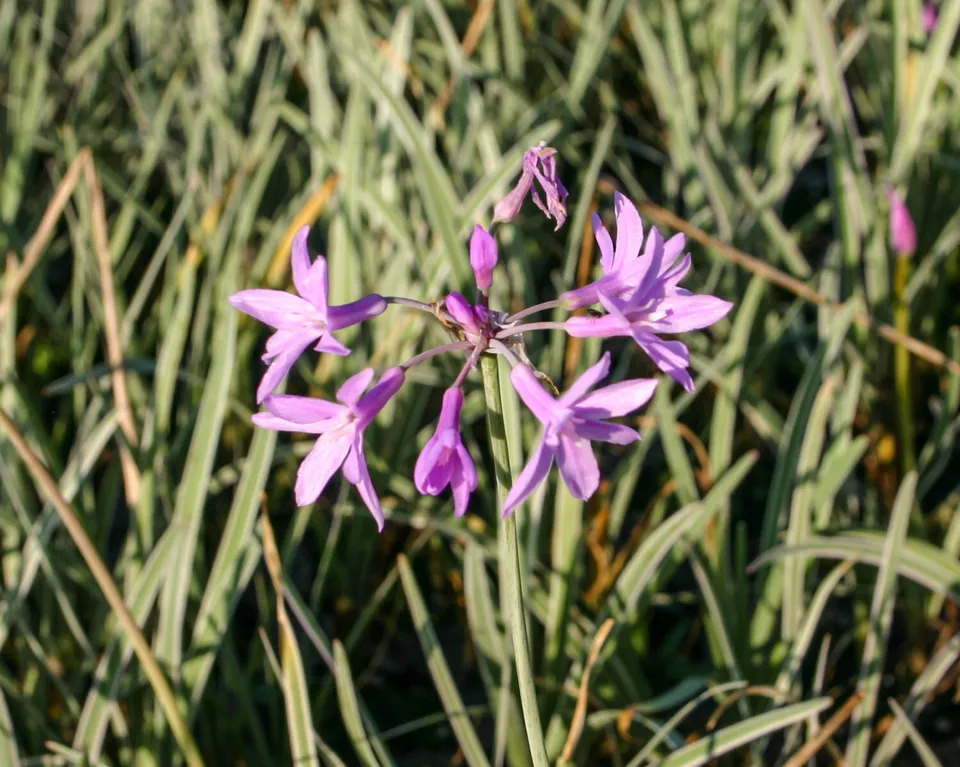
[(34, 249), (277, 271), (580, 713), (47, 487), (799, 288), (101, 241), (834, 723)]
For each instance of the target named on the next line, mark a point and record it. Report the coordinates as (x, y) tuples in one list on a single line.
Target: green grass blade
[(233, 566), (349, 710), (881, 618), (192, 492), (442, 678), (729, 738)]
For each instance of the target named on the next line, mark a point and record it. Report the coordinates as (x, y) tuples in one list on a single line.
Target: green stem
[(901, 371), (510, 570)]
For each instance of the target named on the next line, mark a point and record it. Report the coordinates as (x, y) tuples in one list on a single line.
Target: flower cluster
[(639, 291)]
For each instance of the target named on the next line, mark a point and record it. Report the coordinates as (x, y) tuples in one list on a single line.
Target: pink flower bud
[(483, 257), (903, 234)]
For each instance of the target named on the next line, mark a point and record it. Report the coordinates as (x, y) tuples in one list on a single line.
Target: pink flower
[(483, 258), (444, 460), (301, 320), (540, 164), (571, 423), (625, 271), (903, 234), (930, 15), (341, 433)]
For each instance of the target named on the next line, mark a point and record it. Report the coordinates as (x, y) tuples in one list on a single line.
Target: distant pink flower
[(625, 271), (483, 258), (341, 433), (540, 165), (301, 320), (571, 423), (903, 234), (930, 15), (444, 460)]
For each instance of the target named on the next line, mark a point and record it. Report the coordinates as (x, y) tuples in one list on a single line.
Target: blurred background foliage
[(782, 546)]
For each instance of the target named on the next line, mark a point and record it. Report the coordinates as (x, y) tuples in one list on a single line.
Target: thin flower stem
[(161, 687), (530, 327), (536, 308), (502, 348), (424, 356), (465, 371), (411, 303), (510, 564)]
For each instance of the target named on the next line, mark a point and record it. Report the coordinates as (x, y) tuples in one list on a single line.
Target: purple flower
[(930, 15), (625, 271), (678, 312), (301, 320), (571, 423), (483, 258), (341, 433), (903, 234), (444, 460), (540, 164)]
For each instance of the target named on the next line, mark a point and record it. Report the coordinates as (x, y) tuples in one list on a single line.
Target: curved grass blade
[(921, 693), (233, 566), (192, 493), (726, 740), (349, 710), (9, 755), (921, 746), (439, 670)]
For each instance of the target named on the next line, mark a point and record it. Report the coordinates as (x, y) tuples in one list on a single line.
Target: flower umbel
[(300, 320), (642, 299)]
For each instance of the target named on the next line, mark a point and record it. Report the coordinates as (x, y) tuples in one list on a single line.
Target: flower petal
[(541, 404), (302, 410), (339, 317), (300, 260), (604, 242), (315, 286), (272, 307), (425, 477), (461, 490), (596, 327), (671, 357), (466, 465), (354, 386), (359, 476), (331, 345), (320, 464), (508, 208), (629, 230), (578, 466), (590, 378), (374, 400), (598, 431), (270, 421), (617, 399), (282, 363), (686, 313), (671, 276), (532, 475)]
